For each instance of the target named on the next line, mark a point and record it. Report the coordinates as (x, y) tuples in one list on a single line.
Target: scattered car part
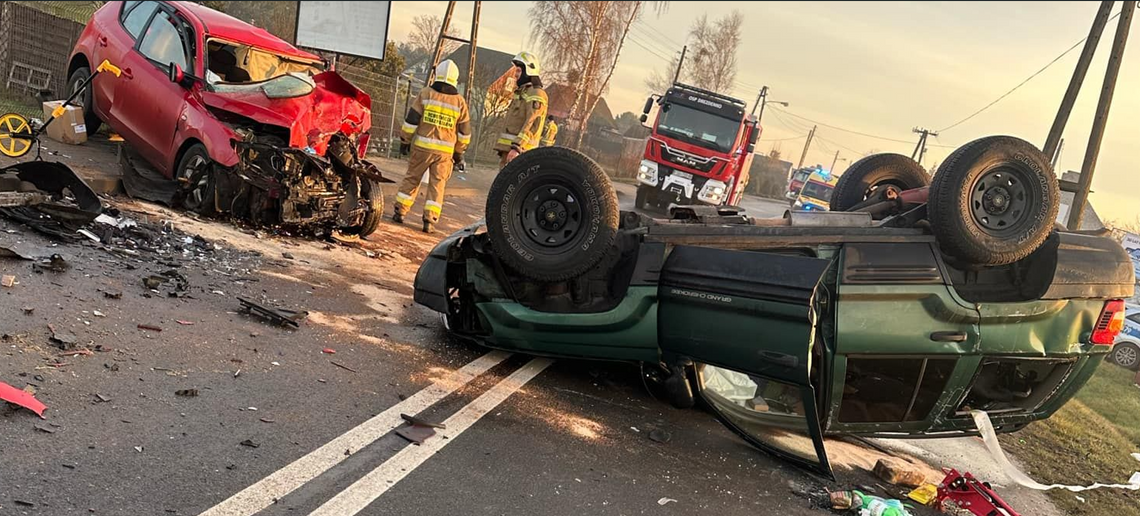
[(413, 420), (279, 316), (7, 281), (69, 204), (186, 393), (62, 338), (993, 201), (415, 434), (871, 173), (149, 327), (551, 214), (970, 494), (22, 398)]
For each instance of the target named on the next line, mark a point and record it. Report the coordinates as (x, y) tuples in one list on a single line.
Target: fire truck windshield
[(698, 127)]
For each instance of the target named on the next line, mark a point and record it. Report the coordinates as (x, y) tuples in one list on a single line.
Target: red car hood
[(335, 105)]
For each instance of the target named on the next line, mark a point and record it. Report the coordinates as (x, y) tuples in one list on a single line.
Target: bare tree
[(425, 32), (490, 97), (712, 64), (582, 42), (659, 82)]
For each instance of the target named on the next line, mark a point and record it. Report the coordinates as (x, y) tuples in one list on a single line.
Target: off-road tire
[(965, 214), (581, 211), (186, 191), (90, 119), (873, 171)]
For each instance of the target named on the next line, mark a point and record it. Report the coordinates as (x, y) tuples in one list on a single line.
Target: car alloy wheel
[(196, 174), (1125, 356)]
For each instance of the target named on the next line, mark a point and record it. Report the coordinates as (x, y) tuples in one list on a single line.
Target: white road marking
[(283, 481), (366, 490)]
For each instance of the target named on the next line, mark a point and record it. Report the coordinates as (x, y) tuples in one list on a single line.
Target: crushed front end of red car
[(299, 142)]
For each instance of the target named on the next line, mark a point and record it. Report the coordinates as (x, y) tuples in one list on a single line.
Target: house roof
[(562, 99), (229, 28), (489, 57)]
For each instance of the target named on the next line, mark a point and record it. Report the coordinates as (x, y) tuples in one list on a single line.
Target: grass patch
[(1088, 440)]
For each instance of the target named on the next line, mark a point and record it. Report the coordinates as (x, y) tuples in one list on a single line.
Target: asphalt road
[(280, 425)]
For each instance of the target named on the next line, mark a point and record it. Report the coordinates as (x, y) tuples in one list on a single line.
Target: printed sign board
[(1131, 244), (352, 28)]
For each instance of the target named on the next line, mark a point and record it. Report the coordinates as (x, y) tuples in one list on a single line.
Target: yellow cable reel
[(15, 135)]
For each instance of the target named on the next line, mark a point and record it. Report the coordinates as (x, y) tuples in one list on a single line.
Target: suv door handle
[(127, 73), (102, 41), (948, 336)]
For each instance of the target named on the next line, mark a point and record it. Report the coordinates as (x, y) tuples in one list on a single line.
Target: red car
[(240, 120)]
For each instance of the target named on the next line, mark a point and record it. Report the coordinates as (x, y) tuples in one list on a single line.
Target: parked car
[(1126, 351), (242, 121), (821, 323)]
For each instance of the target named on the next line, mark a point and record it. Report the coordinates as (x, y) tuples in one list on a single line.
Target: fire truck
[(699, 151)]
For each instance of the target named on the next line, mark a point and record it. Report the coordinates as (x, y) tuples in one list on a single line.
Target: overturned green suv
[(895, 316)]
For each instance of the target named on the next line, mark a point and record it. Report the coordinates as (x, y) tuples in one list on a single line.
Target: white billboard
[(353, 28), (1131, 244)]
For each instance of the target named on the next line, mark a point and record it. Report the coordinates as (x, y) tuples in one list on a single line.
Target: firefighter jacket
[(525, 117), (438, 121), (549, 133)]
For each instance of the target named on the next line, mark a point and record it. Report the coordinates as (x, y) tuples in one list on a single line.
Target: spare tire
[(552, 214), (875, 171), (993, 201)]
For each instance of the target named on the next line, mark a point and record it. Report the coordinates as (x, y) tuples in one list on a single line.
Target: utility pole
[(1076, 211), (472, 46), (680, 63), (1062, 118), (807, 145), (1057, 155), (760, 101), (920, 149), (834, 161)]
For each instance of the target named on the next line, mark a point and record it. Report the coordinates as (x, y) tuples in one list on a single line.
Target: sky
[(883, 68)]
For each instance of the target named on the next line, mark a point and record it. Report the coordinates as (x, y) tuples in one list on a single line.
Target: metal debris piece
[(415, 434), (342, 366), (413, 420), (186, 393), (249, 443), (54, 263), (22, 398), (267, 420), (660, 436), (280, 316), (8, 252), (45, 429), (7, 280), (28, 310), (101, 398), (85, 352), (68, 205), (149, 327), (113, 295), (24, 503), (64, 339)]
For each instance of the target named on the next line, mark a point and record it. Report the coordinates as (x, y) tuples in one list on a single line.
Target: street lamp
[(764, 102)]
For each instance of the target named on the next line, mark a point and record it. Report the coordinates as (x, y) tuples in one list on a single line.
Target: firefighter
[(525, 116), (436, 131), (549, 132)]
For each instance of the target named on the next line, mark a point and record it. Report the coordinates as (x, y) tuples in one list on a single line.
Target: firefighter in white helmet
[(436, 131), (522, 130)]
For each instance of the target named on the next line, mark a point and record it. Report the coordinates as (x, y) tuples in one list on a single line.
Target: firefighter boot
[(428, 226)]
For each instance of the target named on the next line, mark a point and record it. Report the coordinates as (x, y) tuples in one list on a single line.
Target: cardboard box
[(69, 127)]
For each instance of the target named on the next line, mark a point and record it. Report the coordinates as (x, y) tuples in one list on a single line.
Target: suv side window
[(135, 15), (163, 43), (1135, 317)]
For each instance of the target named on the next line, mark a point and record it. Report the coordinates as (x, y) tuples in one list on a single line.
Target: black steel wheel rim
[(74, 88), (1001, 200), (551, 215), (196, 174)]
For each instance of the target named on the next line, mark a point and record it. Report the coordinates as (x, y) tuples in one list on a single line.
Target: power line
[(783, 139), (656, 37), (860, 133), (1022, 83), (647, 49), (841, 146)]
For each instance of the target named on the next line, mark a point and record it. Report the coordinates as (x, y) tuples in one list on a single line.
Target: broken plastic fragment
[(22, 398), (664, 501)]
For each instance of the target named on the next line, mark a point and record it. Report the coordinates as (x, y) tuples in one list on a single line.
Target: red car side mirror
[(176, 73)]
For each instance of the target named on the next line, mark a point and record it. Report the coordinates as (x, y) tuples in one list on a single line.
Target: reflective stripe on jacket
[(437, 122), (524, 120)]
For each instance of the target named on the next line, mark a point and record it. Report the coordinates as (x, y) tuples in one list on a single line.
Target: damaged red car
[(231, 118)]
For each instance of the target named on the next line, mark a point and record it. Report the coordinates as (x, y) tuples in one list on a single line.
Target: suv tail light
[(1109, 324)]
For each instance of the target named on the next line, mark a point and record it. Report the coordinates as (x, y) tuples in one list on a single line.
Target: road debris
[(249, 444), (178, 283), (342, 366), (24, 503), (665, 501), (287, 256), (149, 327), (864, 504), (8, 252), (7, 280), (416, 421), (22, 398), (28, 310), (186, 393), (899, 472), (65, 340), (266, 420), (139, 449), (60, 203), (97, 313), (84, 352), (54, 263), (45, 429), (99, 398), (279, 316), (184, 323), (415, 434), (113, 295), (660, 436), (924, 494), (328, 351)]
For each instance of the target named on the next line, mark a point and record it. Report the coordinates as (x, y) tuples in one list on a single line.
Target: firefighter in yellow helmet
[(436, 131), (522, 129), (549, 132)]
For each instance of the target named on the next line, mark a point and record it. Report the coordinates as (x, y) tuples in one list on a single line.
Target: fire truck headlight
[(647, 173), (713, 191)]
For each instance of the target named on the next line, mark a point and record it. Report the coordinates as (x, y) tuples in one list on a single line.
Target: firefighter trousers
[(439, 168)]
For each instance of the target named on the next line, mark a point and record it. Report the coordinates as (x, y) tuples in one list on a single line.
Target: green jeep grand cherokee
[(894, 318)]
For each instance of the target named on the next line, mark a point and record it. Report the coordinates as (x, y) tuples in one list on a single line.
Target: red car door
[(114, 34), (147, 105)]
